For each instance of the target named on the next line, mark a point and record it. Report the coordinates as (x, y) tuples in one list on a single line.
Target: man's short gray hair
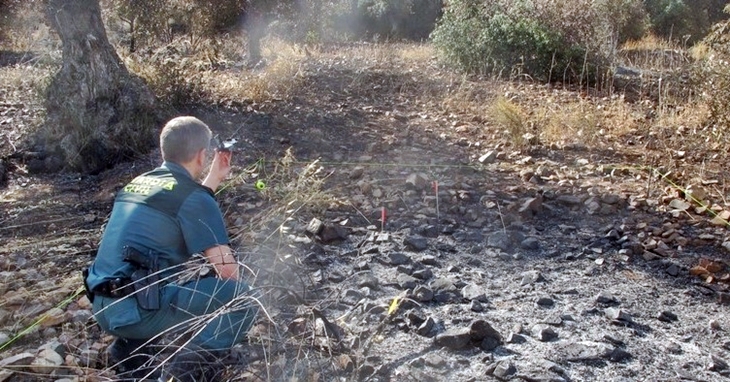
[(182, 138)]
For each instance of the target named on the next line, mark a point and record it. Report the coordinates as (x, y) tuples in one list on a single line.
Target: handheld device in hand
[(224, 145)]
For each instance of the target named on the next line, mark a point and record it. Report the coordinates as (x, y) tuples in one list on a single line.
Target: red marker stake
[(382, 219)]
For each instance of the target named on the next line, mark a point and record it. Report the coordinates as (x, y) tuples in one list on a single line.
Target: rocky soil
[(434, 251)]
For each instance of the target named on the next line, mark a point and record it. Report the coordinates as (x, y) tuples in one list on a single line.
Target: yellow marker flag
[(394, 305)]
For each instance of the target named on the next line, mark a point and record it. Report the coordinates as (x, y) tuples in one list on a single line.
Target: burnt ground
[(547, 262)]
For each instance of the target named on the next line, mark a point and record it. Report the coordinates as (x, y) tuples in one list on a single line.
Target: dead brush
[(293, 190), (572, 123), (290, 189), (277, 79), (510, 117), (463, 98)]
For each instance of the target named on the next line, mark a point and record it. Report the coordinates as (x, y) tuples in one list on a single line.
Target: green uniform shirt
[(164, 211)]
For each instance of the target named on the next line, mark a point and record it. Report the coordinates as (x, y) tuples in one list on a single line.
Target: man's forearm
[(223, 261)]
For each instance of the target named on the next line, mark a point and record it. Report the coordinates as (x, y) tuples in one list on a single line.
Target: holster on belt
[(89, 293), (145, 278)]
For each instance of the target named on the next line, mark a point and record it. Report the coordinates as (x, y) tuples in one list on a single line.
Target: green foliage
[(163, 19), (684, 20), (407, 19), (478, 39), (545, 39)]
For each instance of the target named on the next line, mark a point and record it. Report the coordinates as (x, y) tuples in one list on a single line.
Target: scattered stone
[(422, 293), (593, 205), (47, 362), (504, 370), (679, 205), (667, 316), (443, 284), (488, 157), (715, 325), (545, 302), (613, 235), (610, 199), (514, 338), (417, 181), (333, 233), (530, 244), (618, 316), (606, 299), (18, 359), (481, 329), (425, 328), (398, 258), (543, 332), (336, 277), (423, 274), (357, 172), (454, 339), (434, 360), (474, 292), (53, 317), (429, 260), (531, 277), (673, 270), (407, 282), (584, 351), (553, 320), (368, 281), (619, 355), (721, 219), (531, 207), (362, 266), (315, 226), (569, 200), (352, 297), (416, 243), (717, 364), (499, 240), (474, 306)]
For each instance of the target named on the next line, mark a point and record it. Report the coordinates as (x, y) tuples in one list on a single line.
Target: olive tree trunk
[(98, 114)]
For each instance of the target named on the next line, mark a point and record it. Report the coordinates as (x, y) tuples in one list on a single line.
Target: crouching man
[(158, 222)]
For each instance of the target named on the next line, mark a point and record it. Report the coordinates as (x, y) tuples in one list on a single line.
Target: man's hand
[(219, 169), (222, 259)]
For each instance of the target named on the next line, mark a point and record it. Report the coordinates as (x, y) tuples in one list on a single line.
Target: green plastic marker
[(260, 185)]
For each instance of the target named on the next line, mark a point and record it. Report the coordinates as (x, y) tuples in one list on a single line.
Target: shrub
[(684, 20), (546, 39), (161, 19), (408, 19)]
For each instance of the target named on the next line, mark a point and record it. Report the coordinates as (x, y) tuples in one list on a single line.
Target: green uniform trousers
[(216, 313)]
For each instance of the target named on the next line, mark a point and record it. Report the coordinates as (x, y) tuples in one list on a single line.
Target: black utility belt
[(115, 288)]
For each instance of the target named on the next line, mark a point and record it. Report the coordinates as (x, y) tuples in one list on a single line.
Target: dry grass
[(417, 53), (584, 121), (511, 118), (212, 72), (275, 81), (291, 188), (649, 42)]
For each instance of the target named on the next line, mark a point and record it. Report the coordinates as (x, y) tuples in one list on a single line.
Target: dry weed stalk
[(512, 118)]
